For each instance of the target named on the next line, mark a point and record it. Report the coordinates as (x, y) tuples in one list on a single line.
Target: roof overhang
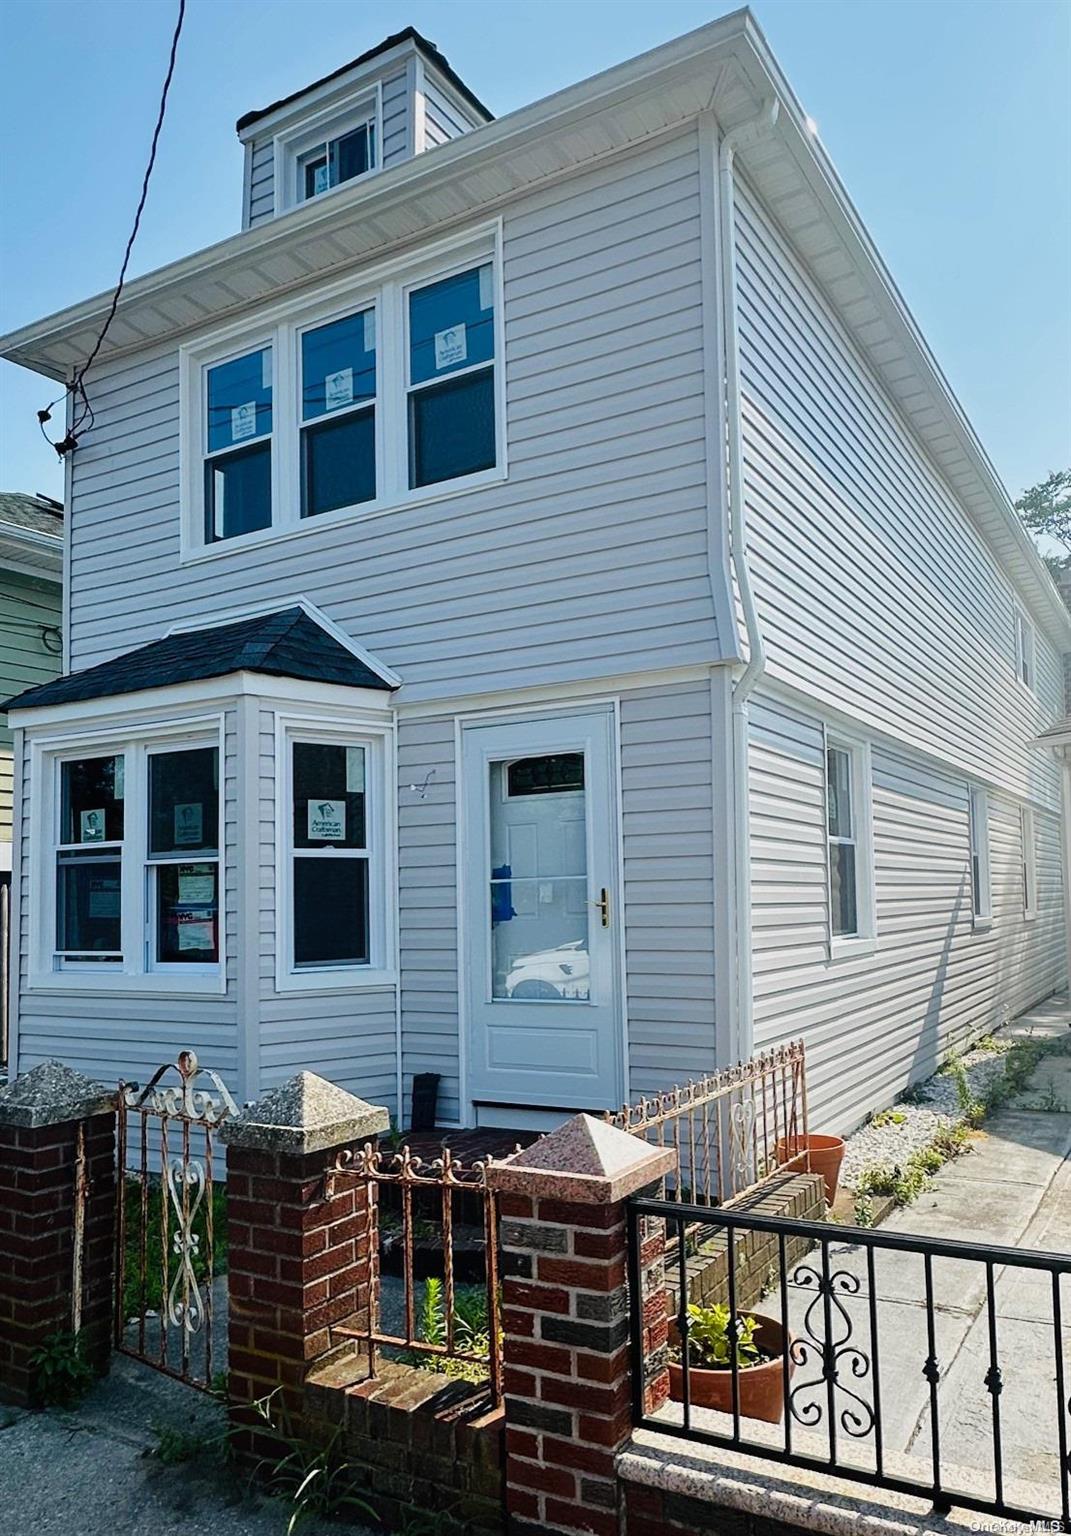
[(726, 67), (27, 550)]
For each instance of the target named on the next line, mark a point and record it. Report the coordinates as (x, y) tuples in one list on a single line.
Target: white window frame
[(864, 941), (978, 849), (152, 862), (137, 970), (213, 360), (1025, 651), (380, 822), (1029, 865), (385, 290), (291, 145)]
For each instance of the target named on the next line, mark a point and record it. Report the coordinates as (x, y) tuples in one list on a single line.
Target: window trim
[(1028, 862), (1026, 651), (266, 341), (334, 122), (137, 971), (380, 834), (978, 847), (864, 941), (382, 289)]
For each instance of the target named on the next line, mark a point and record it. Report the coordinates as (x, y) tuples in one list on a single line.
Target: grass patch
[(147, 1296)]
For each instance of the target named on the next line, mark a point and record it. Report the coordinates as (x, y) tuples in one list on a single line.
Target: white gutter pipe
[(747, 133)]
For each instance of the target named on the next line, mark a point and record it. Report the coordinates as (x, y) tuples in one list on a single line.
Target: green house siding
[(28, 604)]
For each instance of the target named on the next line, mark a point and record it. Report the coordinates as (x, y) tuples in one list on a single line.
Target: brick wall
[(793, 1196), (37, 1182)]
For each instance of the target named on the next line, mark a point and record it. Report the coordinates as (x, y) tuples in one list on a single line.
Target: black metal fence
[(887, 1358)]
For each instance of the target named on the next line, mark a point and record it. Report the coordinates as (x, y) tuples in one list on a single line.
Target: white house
[(537, 615)]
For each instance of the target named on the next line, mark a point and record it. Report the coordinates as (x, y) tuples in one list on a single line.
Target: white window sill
[(982, 924), (194, 554), (153, 983), (1030, 917), (345, 979), (852, 949)]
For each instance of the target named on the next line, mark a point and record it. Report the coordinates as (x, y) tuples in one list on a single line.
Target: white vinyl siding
[(445, 116), (873, 1025), (591, 559)]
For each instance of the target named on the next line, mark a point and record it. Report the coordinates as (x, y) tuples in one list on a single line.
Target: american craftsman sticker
[(91, 825), (451, 347), (189, 826), (338, 389), (327, 821), (243, 421)]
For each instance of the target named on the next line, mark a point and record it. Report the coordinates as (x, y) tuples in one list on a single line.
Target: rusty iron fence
[(732, 1130), (431, 1222), (168, 1216)]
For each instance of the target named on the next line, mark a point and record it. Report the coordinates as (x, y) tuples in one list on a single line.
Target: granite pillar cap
[(305, 1114), (51, 1094), (584, 1161)]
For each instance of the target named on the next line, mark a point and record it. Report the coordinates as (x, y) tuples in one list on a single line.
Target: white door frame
[(515, 715)]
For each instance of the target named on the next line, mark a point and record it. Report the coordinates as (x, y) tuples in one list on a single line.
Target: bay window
[(133, 886), (369, 399)]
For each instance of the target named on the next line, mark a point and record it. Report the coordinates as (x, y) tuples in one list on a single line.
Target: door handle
[(603, 904)]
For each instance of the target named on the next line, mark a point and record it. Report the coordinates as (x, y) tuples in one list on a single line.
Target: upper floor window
[(381, 397), (1024, 650), (336, 148), (849, 839), (336, 160)]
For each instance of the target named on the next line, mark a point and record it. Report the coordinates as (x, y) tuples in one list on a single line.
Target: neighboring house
[(406, 727), (31, 603)]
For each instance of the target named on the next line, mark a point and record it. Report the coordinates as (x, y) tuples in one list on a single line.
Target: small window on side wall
[(1029, 862), (981, 887), (849, 846), (1025, 649), (452, 377)]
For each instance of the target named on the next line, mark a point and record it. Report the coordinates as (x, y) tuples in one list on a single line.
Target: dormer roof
[(407, 35)]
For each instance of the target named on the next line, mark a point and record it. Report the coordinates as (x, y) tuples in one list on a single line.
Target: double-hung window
[(1024, 650), (365, 401), (1029, 862), (981, 887), (133, 886), (848, 836)]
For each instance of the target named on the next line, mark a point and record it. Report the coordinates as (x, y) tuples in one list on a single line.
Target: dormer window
[(333, 149)]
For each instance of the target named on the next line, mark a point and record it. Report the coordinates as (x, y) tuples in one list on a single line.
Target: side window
[(1024, 650), (981, 885), (330, 853), (338, 414), (1029, 862), (451, 383), (849, 837), (237, 446), (89, 860)]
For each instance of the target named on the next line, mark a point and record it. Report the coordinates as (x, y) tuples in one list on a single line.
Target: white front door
[(541, 941)]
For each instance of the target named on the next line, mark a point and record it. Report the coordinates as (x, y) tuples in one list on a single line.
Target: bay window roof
[(286, 643)]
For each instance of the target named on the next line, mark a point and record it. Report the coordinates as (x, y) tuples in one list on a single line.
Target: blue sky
[(949, 122)]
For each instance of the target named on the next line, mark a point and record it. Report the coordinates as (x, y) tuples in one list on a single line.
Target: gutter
[(743, 1033)]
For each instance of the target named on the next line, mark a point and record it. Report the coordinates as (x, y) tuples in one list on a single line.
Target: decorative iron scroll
[(185, 1183), (185, 1099), (829, 1343)]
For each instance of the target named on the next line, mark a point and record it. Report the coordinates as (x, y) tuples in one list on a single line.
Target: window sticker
[(189, 825), (355, 770), (327, 821), (120, 778), (320, 179), (195, 934), (196, 890), (487, 287), (369, 330), (91, 824), (265, 368), (338, 389), (103, 897), (451, 347), (243, 421)]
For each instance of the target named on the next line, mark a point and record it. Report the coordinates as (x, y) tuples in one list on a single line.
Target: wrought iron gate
[(168, 1241)]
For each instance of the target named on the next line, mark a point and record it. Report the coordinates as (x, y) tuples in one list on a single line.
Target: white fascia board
[(329, 93), (43, 550), (146, 704)]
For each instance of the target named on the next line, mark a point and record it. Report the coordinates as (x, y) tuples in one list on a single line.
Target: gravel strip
[(891, 1141)]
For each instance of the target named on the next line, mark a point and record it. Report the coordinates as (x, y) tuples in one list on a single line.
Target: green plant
[(471, 1331), (973, 1110), (889, 1117), (143, 1268), (864, 1211), (176, 1444), (61, 1373), (316, 1481), (709, 1337)]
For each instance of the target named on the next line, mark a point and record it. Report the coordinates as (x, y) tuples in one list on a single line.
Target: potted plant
[(813, 1154), (761, 1350)]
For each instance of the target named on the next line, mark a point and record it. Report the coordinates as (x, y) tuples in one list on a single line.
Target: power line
[(76, 388)]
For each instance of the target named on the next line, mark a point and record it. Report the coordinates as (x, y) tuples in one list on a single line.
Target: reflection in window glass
[(239, 400), (184, 801), (89, 905), (92, 797), (330, 912), (538, 904), (451, 325), (187, 913), (330, 854), (338, 381), (238, 469), (843, 875), (338, 365), (339, 160), (452, 419)]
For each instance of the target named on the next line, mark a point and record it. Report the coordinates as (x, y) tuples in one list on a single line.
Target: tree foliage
[(1046, 509)]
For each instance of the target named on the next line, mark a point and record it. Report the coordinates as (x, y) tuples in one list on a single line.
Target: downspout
[(747, 133)]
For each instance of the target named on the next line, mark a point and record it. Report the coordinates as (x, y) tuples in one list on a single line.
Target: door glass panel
[(538, 904)]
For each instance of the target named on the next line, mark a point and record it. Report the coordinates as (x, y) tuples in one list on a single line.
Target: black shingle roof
[(284, 644)]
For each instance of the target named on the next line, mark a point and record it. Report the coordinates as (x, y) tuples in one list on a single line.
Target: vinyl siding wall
[(590, 559), (445, 117), (876, 1023), (110, 1035), (27, 603), (876, 595)]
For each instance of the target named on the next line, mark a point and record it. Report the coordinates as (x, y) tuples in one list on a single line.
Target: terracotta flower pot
[(761, 1387), (820, 1154)]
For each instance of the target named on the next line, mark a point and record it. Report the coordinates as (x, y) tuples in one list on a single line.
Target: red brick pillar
[(57, 1219), (565, 1320), (297, 1263)]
